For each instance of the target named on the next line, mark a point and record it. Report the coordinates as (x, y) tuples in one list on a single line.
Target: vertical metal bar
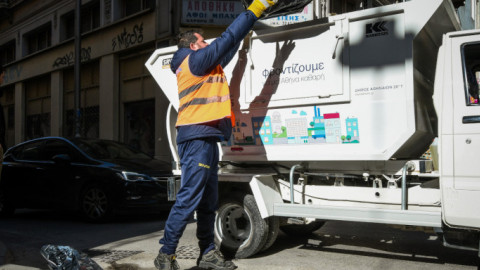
[(292, 190), (78, 49), (171, 189), (404, 187)]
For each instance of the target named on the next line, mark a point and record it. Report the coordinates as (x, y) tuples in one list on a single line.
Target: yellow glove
[(259, 6)]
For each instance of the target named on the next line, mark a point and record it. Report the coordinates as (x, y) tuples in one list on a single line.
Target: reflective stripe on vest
[(202, 98)]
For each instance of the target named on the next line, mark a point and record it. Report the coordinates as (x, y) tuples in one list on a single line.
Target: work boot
[(166, 262), (214, 260)]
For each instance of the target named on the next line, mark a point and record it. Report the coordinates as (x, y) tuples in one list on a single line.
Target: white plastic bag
[(67, 258)]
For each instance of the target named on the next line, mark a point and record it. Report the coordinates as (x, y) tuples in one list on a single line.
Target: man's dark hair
[(187, 37)]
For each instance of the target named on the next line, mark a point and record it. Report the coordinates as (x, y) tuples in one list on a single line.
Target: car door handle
[(469, 119)]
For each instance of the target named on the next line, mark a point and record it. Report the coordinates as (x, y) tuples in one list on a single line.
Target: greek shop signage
[(210, 12)]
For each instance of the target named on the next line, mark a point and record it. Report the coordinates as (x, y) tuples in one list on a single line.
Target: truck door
[(461, 192)]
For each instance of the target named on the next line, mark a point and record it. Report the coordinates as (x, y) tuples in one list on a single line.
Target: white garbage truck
[(369, 116)]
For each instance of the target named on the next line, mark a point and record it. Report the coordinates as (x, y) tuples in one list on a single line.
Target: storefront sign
[(210, 12)]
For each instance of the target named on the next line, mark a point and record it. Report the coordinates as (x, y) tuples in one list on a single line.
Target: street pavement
[(337, 245)]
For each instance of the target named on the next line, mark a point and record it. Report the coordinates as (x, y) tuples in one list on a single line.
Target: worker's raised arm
[(222, 49)]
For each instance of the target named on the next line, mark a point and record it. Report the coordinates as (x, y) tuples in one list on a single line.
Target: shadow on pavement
[(376, 240), (28, 230)]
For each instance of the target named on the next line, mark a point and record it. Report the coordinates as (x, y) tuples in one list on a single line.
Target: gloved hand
[(259, 6)]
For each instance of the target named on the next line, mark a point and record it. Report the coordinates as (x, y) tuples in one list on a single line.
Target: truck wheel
[(273, 228), (301, 229), (95, 204), (240, 231)]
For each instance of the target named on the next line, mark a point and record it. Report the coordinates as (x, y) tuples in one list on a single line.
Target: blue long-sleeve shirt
[(204, 60)]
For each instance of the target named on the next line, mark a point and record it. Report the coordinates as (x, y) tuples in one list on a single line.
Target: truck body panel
[(356, 87), (344, 104)]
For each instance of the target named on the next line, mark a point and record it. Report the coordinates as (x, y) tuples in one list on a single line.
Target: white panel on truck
[(352, 87), (303, 60)]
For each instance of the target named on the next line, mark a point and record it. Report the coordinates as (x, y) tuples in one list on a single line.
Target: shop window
[(37, 107), (7, 53), (130, 7), (89, 101), (89, 122), (90, 20), (7, 100), (38, 39), (90, 17), (471, 69), (140, 125)]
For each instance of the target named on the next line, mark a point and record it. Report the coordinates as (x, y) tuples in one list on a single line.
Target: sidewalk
[(4, 259), (135, 253)]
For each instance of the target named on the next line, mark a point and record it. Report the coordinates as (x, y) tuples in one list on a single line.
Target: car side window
[(471, 68), (30, 151), (57, 147)]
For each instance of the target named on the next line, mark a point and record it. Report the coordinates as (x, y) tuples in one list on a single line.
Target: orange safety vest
[(202, 98)]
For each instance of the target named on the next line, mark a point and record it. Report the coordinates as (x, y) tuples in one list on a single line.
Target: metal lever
[(334, 54)]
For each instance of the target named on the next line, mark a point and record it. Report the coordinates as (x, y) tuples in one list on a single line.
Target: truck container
[(333, 120)]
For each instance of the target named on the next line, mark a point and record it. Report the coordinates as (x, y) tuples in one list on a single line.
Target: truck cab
[(457, 101)]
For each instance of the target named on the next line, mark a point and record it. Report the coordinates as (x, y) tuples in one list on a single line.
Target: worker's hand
[(259, 6)]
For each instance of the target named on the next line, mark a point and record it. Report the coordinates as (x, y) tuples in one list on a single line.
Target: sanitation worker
[(204, 118)]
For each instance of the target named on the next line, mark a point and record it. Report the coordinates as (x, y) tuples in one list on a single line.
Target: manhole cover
[(188, 252), (110, 256)]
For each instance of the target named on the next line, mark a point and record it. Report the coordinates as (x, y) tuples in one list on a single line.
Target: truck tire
[(273, 229), (301, 229), (240, 231)]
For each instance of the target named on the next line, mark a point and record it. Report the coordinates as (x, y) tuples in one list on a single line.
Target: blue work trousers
[(198, 191)]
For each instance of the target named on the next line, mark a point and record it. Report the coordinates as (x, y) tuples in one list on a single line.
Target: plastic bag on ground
[(67, 258), (282, 7)]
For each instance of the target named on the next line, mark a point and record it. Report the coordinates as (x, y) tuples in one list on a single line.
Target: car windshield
[(103, 149)]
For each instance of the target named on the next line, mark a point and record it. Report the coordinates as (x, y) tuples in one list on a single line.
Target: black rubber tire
[(95, 204), (301, 230), (6, 208), (240, 231), (273, 229)]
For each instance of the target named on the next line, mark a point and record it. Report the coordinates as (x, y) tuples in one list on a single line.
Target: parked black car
[(97, 177)]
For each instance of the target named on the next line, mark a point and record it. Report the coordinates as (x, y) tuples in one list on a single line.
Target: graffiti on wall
[(12, 73), (69, 58), (128, 38)]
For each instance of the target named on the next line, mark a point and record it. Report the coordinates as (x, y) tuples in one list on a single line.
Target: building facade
[(119, 99)]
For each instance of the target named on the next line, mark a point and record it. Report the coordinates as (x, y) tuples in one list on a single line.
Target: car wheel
[(240, 231), (6, 207), (301, 229), (95, 204)]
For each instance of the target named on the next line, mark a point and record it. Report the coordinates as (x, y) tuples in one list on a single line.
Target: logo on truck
[(166, 63), (376, 29)]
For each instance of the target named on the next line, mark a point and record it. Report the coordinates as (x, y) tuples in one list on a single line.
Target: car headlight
[(134, 177)]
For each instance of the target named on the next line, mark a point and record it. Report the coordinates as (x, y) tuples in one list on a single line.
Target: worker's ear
[(193, 46)]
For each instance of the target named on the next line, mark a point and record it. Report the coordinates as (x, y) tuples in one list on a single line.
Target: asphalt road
[(337, 245)]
